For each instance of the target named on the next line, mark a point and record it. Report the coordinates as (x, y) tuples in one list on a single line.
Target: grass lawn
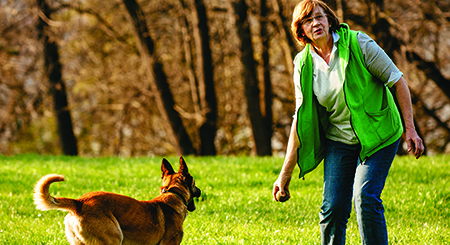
[(236, 205)]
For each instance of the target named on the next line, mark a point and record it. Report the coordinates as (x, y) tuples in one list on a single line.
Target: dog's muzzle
[(195, 193)]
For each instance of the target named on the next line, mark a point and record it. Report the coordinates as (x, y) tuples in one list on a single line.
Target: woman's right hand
[(281, 184), (289, 163)]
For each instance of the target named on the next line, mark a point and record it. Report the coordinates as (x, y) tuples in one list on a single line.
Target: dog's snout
[(197, 192)]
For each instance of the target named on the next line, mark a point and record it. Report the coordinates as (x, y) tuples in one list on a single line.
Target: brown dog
[(109, 218)]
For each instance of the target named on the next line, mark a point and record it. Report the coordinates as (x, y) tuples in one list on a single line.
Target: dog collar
[(178, 195)]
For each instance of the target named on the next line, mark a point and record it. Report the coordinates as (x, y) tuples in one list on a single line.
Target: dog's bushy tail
[(44, 201)]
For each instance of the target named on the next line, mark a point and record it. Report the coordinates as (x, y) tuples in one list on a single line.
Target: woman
[(347, 117)]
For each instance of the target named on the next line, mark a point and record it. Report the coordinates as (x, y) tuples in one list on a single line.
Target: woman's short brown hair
[(304, 10)]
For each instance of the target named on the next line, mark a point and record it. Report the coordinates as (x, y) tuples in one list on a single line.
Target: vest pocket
[(383, 123)]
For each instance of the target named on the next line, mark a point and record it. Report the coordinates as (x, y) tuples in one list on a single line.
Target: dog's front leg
[(175, 239)]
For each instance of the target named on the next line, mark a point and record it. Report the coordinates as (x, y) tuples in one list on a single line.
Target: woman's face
[(316, 27)]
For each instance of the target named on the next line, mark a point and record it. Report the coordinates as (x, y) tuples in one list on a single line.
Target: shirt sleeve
[(377, 61), (297, 87)]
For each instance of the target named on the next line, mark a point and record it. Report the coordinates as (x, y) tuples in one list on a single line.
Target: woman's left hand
[(414, 142)]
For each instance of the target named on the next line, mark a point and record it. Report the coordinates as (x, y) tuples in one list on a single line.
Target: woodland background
[(191, 77)]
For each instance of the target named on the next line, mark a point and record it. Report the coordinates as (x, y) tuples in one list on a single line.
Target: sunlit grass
[(236, 206)]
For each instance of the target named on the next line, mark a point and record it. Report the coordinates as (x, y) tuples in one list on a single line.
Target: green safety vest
[(374, 116)]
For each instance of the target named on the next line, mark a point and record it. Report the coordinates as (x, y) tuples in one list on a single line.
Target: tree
[(208, 129), (261, 137), (265, 38), (118, 107), (202, 80), (283, 24), (164, 98), (57, 88)]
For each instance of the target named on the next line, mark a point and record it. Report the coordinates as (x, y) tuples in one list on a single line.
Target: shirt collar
[(335, 41), (335, 37)]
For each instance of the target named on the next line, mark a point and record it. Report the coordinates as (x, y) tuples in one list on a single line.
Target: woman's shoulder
[(301, 56)]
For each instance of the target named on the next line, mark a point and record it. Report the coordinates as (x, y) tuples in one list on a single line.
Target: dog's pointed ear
[(166, 168), (183, 167)]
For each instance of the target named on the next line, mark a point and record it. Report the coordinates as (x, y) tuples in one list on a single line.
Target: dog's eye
[(189, 180)]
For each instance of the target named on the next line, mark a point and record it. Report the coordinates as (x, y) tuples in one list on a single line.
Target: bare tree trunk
[(339, 11), (202, 83), (285, 25), (208, 128), (249, 74), (268, 116), (53, 68), (164, 97)]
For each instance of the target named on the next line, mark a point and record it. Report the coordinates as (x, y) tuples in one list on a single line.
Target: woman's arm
[(290, 161), (377, 61), (380, 65), (413, 140)]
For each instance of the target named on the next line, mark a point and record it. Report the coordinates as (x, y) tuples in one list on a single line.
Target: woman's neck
[(324, 48)]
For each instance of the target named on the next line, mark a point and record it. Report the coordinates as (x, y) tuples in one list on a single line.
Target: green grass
[(236, 206)]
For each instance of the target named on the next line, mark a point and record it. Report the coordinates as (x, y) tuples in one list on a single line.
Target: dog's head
[(181, 183)]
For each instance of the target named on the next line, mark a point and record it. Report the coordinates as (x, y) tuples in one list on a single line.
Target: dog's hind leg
[(100, 230), (113, 233), (73, 230), (103, 230), (72, 238)]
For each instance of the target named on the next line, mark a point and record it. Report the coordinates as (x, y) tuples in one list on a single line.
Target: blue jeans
[(346, 177)]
